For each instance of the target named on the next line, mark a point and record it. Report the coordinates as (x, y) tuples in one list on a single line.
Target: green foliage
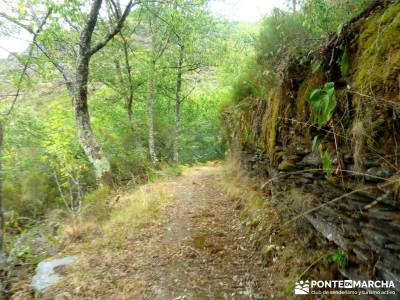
[(338, 257), (31, 246), (322, 17), (379, 59), (323, 103), (95, 205), (100, 194), (314, 143), (44, 165), (344, 63), (286, 37), (244, 87), (282, 37), (170, 171), (326, 163), (119, 138), (201, 136)]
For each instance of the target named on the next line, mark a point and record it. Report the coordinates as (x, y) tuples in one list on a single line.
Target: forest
[(169, 149)]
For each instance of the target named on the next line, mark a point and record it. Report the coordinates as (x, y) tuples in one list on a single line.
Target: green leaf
[(344, 63), (339, 29), (315, 66), (329, 85), (326, 163), (323, 103), (332, 104), (314, 143), (339, 257), (315, 95)]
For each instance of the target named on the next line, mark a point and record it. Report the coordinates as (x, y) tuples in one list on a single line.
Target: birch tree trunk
[(150, 122), (87, 139), (3, 262), (76, 81), (178, 102)]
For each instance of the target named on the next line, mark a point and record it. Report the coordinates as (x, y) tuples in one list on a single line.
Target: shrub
[(95, 206)]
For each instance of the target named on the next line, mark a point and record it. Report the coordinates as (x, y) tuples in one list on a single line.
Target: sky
[(244, 10), (235, 10)]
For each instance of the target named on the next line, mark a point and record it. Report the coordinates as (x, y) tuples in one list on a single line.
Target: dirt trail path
[(196, 250), (200, 250)]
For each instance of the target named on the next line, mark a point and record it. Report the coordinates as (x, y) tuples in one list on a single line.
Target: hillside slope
[(338, 169), (174, 239)]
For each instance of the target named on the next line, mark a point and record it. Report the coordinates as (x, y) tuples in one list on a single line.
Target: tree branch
[(63, 68), (25, 67), (87, 32), (117, 28), (18, 23)]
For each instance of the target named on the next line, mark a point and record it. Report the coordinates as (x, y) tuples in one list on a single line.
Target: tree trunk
[(80, 91), (1, 190), (150, 122), (3, 262), (86, 137), (77, 83), (178, 102), (129, 93)]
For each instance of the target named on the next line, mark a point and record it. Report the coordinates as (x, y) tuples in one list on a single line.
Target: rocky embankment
[(357, 206)]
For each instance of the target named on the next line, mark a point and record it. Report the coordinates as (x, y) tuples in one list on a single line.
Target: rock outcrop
[(356, 205)]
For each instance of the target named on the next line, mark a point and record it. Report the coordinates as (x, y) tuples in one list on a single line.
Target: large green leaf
[(323, 103), (315, 95)]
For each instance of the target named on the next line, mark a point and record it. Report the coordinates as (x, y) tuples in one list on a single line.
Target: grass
[(256, 212), (114, 248), (105, 245), (126, 214), (134, 212), (283, 249)]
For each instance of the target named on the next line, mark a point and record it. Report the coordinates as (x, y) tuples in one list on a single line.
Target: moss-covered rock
[(377, 60)]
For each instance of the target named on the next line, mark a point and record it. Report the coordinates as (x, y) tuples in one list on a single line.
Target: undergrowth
[(108, 222), (289, 253)]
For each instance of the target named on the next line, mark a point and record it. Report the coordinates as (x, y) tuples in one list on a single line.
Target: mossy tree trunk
[(80, 93)]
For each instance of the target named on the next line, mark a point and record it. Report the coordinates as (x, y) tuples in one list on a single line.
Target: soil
[(201, 249), (198, 249)]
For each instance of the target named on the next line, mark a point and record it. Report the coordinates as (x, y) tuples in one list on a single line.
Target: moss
[(270, 123), (254, 204), (374, 57), (375, 69), (310, 83), (377, 61)]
